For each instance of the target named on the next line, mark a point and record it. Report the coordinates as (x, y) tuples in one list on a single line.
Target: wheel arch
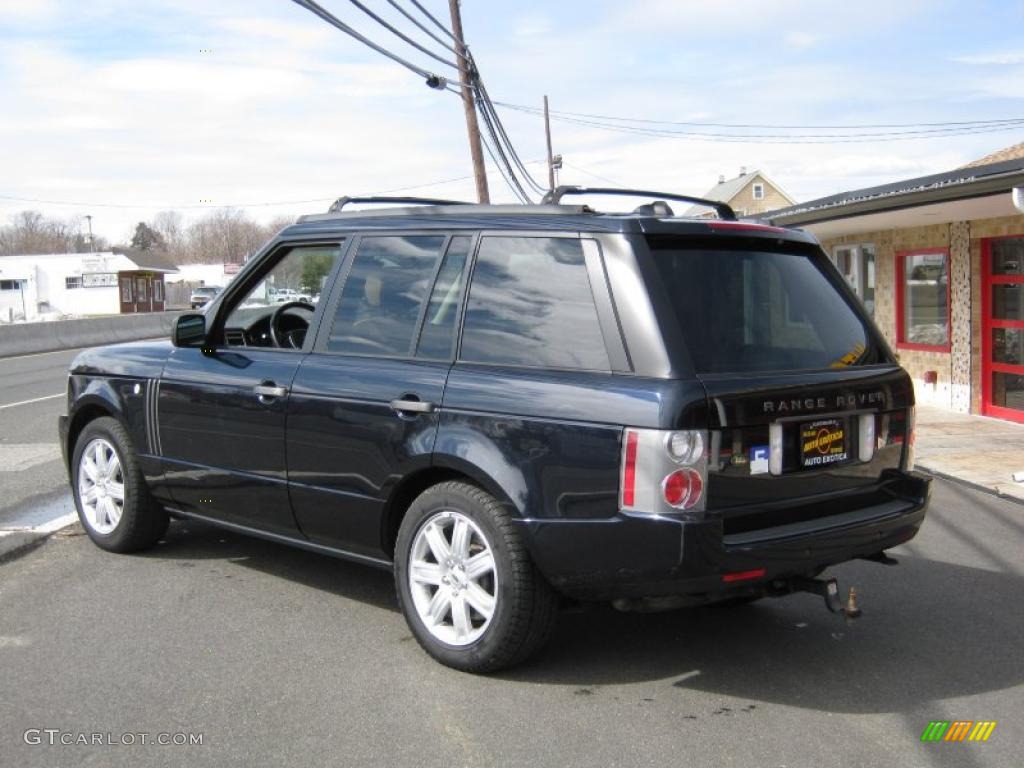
[(444, 470), (87, 409)]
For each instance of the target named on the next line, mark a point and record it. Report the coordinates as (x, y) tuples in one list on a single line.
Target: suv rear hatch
[(808, 408)]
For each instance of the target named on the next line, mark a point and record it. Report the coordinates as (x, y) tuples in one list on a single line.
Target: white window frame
[(862, 272), (758, 190)]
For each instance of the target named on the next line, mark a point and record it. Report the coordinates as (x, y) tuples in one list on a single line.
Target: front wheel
[(468, 589), (113, 502)]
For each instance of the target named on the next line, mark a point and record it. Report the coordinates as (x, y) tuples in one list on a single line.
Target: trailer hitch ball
[(852, 610), (829, 591)]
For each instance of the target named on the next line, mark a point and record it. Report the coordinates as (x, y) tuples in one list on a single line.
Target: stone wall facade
[(958, 373)]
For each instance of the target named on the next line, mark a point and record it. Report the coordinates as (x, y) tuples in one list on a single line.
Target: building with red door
[(939, 262), (53, 285)]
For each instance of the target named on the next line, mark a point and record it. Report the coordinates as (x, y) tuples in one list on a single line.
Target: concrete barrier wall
[(27, 338)]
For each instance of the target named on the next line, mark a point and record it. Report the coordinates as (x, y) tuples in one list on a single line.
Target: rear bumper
[(633, 555)]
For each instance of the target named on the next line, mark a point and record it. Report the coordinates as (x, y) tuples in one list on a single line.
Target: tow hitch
[(829, 590)]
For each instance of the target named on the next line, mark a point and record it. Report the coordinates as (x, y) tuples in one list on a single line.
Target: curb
[(973, 486)]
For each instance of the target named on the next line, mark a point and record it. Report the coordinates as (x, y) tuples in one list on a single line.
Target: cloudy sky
[(121, 109)]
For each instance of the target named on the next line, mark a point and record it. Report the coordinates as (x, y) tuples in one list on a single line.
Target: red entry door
[(1003, 327)]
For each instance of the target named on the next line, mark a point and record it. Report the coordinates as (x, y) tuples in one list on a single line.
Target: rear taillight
[(629, 470), (682, 489), (663, 471)]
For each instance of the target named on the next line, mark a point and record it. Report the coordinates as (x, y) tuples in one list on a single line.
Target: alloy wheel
[(101, 486), (452, 578)]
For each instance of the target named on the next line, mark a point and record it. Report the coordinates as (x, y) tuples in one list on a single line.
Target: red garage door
[(1003, 313)]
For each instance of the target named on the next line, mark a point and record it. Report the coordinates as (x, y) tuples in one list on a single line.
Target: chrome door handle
[(269, 390), (412, 406)]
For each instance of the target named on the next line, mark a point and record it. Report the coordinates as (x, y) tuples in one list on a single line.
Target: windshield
[(744, 311)]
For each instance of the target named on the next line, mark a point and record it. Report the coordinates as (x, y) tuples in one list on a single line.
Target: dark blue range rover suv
[(511, 405)]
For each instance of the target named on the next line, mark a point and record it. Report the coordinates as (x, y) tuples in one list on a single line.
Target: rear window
[(744, 311)]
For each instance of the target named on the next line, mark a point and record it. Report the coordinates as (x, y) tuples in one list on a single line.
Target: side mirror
[(189, 330)]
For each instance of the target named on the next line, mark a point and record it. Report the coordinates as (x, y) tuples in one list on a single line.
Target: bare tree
[(172, 230), (226, 236), (30, 232)]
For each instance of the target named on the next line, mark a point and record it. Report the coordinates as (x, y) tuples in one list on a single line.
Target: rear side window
[(380, 305), (530, 304), (746, 311)]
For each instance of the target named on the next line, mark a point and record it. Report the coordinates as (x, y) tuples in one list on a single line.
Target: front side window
[(277, 311), (73, 282), (140, 288), (158, 290), (384, 292), (530, 304), (923, 300), (759, 191), (126, 290), (747, 311)]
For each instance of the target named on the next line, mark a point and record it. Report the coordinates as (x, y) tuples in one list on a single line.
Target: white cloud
[(286, 108), (991, 59), (27, 10), (801, 40)]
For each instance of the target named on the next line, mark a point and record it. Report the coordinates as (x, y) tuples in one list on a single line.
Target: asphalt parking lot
[(280, 657)]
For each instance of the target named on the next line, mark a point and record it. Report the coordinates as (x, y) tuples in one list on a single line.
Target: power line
[(485, 100), (401, 35), (334, 21), (503, 170), (852, 138), (613, 182), (498, 151), (501, 149), (437, 23), (423, 27), (528, 108)]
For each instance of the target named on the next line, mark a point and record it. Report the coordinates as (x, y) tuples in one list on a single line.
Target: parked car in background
[(511, 405), (284, 295), (203, 295)]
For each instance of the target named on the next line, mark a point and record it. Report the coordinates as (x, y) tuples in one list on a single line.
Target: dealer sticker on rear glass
[(823, 442)]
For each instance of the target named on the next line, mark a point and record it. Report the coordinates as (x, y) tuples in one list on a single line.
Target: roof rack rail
[(724, 210), (341, 202)]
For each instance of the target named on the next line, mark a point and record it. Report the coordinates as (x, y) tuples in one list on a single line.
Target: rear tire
[(469, 591), (111, 496)]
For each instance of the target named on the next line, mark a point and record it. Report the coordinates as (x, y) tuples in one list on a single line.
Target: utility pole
[(468, 74), (547, 134)]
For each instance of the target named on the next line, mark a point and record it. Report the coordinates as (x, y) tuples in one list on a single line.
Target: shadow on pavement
[(930, 630), (188, 541)]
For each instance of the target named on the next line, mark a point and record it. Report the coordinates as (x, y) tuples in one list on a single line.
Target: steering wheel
[(280, 337)]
